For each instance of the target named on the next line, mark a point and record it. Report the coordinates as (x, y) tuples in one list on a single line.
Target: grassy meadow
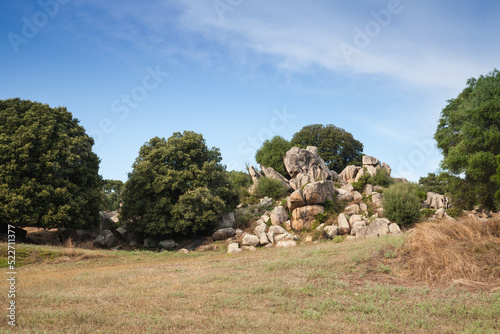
[(350, 287)]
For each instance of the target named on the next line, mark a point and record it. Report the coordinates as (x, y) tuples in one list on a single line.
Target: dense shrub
[(271, 188), (177, 186), (381, 178), (272, 152), (49, 176), (401, 203)]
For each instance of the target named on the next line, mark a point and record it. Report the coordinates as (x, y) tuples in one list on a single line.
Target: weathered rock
[(288, 225), (106, 221), (183, 251), (238, 232), (106, 239), (387, 168), (352, 209), (122, 232), (343, 195), (226, 221), (277, 230), (354, 219), (363, 207), (255, 175), (344, 227), (334, 175), (270, 237), (368, 189), (250, 240), (320, 227), (356, 196), (394, 229), (378, 227), (348, 187), (279, 215), (269, 172), (150, 242), (249, 248), (437, 201), (286, 243), (368, 160), (331, 231), (439, 214), (263, 240), (168, 244), (265, 202), (305, 166), (317, 193), (296, 200), (303, 217), (359, 229), (360, 174), (260, 228), (224, 233), (233, 248), (372, 170), (377, 199), (349, 173)]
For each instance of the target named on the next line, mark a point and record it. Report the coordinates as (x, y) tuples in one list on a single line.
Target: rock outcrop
[(437, 201), (269, 172), (303, 217), (305, 166)]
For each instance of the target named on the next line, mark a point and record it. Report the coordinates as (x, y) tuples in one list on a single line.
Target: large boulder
[(352, 209), (274, 230), (318, 192), (378, 227), (255, 175), (331, 231), (303, 217), (305, 166), (387, 168), (394, 229), (370, 161), (279, 215), (295, 200), (224, 233), (265, 202), (106, 239), (233, 248), (168, 244), (437, 201), (226, 221), (377, 198), (349, 174), (106, 222), (344, 227), (269, 172), (250, 240)]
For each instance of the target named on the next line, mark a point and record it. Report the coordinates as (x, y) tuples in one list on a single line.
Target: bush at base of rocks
[(401, 203)]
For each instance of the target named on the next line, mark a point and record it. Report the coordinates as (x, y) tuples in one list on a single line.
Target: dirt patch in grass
[(464, 252)]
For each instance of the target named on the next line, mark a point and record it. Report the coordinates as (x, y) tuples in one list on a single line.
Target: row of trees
[(49, 174)]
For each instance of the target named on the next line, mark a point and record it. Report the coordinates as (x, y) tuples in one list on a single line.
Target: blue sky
[(242, 71)]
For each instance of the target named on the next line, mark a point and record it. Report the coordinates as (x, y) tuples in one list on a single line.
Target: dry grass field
[(350, 287)]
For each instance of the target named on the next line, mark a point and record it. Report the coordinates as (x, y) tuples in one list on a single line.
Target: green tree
[(112, 194), (434, 183), (272, 152), (48, 172), (497, 179), (177, 186), (336, 146), (401, 203), (468, 135)]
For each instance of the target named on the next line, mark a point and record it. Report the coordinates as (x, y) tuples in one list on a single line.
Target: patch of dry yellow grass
[(468, 249)]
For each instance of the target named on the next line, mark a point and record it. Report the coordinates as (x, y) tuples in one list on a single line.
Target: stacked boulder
[(358, 226)]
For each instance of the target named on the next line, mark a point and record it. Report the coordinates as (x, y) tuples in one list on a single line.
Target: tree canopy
[(272, 152), (468, 135), (48, 172), (177, 186), (112, 194), (336, 146)]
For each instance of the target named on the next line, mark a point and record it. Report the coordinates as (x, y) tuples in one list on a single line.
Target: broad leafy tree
[(177, 186), (48, 172), (336, 146), (272, 152), (468, 135)]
